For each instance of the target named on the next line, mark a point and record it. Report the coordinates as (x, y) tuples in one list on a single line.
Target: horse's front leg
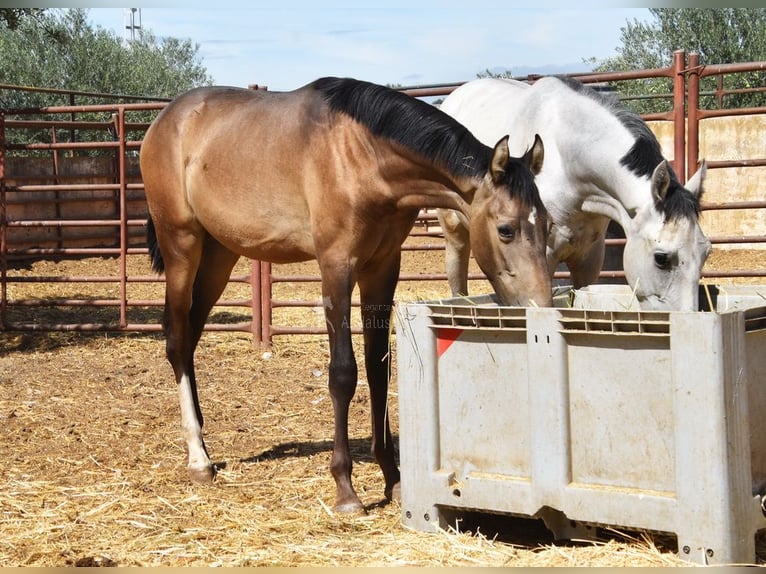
[(585, 268), (586, 263), (377, 287), (336, 291)]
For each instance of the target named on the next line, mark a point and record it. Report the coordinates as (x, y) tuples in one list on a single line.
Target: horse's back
[(201, 114), (185, 126), (273, 176), (494, 107), (487, 107), (234, 162)]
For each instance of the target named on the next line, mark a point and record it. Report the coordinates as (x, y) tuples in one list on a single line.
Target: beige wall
[(729, 138)]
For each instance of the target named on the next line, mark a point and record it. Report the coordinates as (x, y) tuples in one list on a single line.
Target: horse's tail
[(158, 265)]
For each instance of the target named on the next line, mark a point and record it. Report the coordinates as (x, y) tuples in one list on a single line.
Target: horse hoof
[(395, 494), (205, 475), (354, 507)]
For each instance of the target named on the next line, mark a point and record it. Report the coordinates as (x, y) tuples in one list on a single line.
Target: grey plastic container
[(588, 416)]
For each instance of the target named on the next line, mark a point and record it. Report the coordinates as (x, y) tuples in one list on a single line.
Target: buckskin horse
[(602, 162), (335, 171)]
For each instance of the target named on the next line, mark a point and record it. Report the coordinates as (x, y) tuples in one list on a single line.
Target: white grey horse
[(602, 162)]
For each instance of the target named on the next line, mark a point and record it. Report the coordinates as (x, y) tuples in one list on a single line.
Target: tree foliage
[(58, 49), (61, 49), (11, 18), (718, 35)]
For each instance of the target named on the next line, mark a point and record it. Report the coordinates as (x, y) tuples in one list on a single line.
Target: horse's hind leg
[(187, 302), (212, 275), (182, 253)]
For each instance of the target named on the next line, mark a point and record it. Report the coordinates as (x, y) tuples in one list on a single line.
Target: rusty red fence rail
[(116, 233)]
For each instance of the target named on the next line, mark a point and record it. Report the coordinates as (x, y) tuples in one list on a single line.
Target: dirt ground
[(93, 467)]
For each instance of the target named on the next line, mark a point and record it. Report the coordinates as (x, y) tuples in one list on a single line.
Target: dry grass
[(93, 468)]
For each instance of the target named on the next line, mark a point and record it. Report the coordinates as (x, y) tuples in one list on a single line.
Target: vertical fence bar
[(73, 117), (56, 193), (123, 218), (3, 228), (256, 303), (692, 107), (679, 119), (266, 309), (116, 167)]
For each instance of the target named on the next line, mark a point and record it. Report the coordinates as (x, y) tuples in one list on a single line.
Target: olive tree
[(718, 35), (59, 48)]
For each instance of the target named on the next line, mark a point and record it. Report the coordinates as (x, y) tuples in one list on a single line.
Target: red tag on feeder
[(445, 338)]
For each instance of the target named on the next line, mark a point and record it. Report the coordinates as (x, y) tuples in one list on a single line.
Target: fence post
[(255, 303), (679, 117), (266, 308), (123, 218), (60, 243), (693, 105), (260, 285), (3, 228)]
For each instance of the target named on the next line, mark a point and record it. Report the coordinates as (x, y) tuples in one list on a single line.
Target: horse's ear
[(500, 157), (534, 156), (660, 181), (694, 185)]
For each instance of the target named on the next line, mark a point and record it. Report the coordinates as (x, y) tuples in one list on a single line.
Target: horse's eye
[(506, 232), (662, 260)]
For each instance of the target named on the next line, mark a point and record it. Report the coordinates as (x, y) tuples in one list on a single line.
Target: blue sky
[(408, 42)]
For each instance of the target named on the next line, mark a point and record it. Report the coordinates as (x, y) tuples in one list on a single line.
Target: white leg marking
[(190, 427)]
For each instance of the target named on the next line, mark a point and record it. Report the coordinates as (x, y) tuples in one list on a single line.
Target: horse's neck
[(605, 187), (420, 184), (584, 144), (588, 177), (426, 193)]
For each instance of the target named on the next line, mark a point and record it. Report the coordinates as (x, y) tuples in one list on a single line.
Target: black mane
[(421, 127), (410, 122), (645, 154)]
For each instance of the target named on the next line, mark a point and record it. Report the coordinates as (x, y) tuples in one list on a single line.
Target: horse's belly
[(258, 228), (267, 244), (250, 211)]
